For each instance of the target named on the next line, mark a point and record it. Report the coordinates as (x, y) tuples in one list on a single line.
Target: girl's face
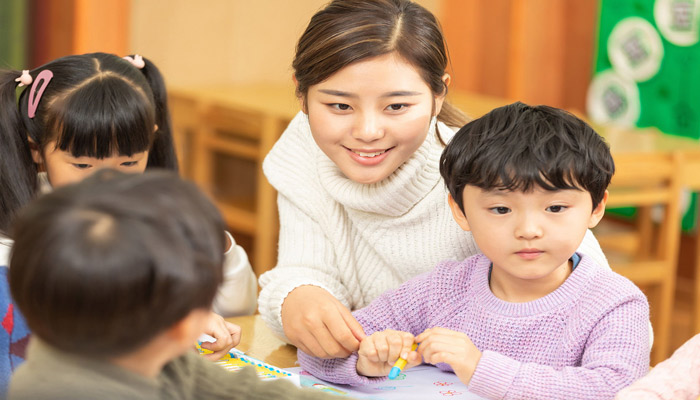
[(371, 116), (63, 168)]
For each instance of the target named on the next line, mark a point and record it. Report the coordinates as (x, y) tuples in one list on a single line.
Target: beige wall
[(223, 41)]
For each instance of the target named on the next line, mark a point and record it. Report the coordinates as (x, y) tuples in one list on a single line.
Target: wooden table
[(258, 341)]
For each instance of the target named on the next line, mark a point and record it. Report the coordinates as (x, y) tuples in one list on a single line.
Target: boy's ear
[(598, 212), (186, 331), (457, 214), (36, 151)]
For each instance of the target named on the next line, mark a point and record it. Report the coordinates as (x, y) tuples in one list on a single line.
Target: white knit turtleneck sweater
[(358, 240)]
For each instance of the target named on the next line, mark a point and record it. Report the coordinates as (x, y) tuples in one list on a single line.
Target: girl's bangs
[(104, 119)]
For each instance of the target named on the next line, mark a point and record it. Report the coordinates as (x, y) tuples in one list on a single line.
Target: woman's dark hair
[(122, 258), (520, 147), (347, 31), (95, 105)]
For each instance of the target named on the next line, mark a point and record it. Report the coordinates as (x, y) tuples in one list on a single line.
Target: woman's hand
[(380, 350), (318, 324), (227, 336), (441, 345)]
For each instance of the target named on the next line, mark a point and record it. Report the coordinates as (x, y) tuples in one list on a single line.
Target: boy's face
[(528, 236)]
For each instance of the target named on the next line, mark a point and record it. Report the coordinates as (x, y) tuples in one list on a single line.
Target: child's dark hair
[(518, 147), (122, 257), (95, 105)]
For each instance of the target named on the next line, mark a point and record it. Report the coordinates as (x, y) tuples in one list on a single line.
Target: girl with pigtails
[(81, 113)]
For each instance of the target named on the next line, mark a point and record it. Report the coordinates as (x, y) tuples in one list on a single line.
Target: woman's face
[(63, 168), (371, 116)]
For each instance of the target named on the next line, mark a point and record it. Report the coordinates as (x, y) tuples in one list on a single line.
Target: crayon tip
[(394, 372)]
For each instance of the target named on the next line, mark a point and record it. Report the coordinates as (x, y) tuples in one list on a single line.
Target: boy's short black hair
[(99, 268), (518, 147)]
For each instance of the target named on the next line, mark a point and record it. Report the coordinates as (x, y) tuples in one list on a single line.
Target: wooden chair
[(227, 155), (223, 133), (184, 113), (646, 250), (691, 177)]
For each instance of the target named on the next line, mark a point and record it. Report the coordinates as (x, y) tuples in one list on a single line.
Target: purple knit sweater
[(586, 340)]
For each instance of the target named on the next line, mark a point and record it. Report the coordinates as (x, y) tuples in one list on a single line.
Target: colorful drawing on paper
[(236, 360), (450, 393), (422, 382)]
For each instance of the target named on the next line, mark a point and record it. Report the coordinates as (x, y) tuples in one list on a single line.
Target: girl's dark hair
[(520, 147), (123, 257), (95, 105), (347, 31)]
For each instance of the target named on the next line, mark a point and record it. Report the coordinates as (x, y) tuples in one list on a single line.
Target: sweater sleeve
[(238, 293), (616, 353), (404, 309), (676, 378), (305, 257)]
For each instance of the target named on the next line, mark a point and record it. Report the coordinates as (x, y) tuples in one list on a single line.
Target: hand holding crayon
[(379, 352), (400, 364)]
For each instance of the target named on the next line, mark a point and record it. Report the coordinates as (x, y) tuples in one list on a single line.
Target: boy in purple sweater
[(529, 318)]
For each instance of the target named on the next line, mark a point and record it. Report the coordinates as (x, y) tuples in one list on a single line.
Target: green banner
[(647, 69), (13, 34)]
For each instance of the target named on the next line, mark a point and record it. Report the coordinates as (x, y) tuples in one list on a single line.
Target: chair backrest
[(647, 251), (651, 183), (184, 116)]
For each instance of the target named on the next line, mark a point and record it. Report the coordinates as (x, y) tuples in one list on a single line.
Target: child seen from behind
[(120, 291)]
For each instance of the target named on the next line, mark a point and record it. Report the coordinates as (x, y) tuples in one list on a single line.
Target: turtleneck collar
[(399, 192)]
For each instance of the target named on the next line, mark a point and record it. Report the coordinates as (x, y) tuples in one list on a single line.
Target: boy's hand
[(379, 351), (320, 325), (440, 345), (227, 336)]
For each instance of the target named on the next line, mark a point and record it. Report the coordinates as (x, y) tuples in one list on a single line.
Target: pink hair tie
[(25, 79), (42, 80), (136, 61)]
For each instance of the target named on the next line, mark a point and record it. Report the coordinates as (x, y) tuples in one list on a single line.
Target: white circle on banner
[(635, 49), (613, 99), (678, 20)]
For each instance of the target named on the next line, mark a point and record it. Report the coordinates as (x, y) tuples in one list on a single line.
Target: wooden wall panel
[(478, 44), (51, 30), (537, 51), (580, 44), (101, 26), (63, 27)]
